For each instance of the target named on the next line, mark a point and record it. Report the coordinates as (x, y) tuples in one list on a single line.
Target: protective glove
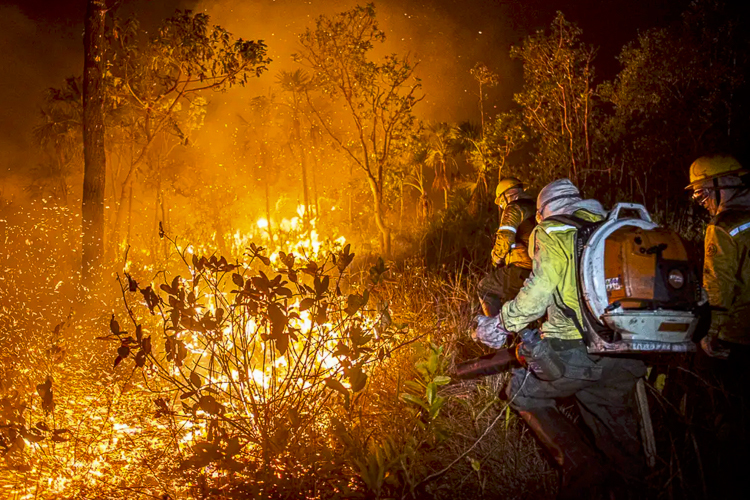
[(490, 331), (497, 258), (715, 347)]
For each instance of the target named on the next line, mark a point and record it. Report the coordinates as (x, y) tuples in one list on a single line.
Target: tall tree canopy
[(156, 84), (378, 96), (682, 93), (557, 99)]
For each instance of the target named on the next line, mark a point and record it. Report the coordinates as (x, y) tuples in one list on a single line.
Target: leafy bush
[(256, 365)]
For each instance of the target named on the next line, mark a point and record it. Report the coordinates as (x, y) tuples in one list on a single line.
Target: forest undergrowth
[(269, 375)]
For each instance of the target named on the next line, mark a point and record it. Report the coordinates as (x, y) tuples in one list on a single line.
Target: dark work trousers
[(604, 388), (723, 418), (500, 285)]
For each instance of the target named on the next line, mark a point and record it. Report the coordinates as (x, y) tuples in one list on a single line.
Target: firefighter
[(604, 387), (510, 256), (719, 184)]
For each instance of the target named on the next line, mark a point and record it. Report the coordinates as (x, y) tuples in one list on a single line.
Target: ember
[(241, 251)]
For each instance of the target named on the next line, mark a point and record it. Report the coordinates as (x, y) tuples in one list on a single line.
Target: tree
[(468, 140), (440, 152), (156, 85), (485, 78), (93, 140), (297, 84), (507, 136), (59, 137), (557, 99), (253, 141), (414, 177), (378, 96), (682, 93)]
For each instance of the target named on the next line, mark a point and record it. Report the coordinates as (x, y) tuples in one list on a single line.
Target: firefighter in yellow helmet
[(716, 182), (510, 256), (719, 184), (603, 386)]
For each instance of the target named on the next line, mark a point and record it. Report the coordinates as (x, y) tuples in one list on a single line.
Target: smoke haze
[(41, 45)]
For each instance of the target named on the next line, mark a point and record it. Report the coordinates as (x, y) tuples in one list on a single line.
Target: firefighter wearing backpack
[(719, 184), (603, 386), (510, 256)]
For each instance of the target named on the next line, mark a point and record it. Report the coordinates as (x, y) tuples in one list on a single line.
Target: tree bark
[(385, 231), (315, 189), (303, 167), (95, 166)]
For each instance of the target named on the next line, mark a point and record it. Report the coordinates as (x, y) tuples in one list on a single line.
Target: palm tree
[(439, 154), (415, 178), (468, 138)]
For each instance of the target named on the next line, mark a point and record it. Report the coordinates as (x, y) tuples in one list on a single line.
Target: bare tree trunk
[(481, 108), (95, 165), (401, 211), (315, 188), (305, 197), (155, 244), (165, 221), (385, 231), (127, 187), (351, 195), (303, 166), (130, 217), (268, 211)]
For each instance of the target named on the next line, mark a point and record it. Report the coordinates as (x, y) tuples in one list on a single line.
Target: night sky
[(41, 45)]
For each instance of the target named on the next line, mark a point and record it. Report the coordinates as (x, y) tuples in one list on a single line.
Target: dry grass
[(503, 460)]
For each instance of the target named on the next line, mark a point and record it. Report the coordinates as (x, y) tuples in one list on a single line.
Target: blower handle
[(643, 214)]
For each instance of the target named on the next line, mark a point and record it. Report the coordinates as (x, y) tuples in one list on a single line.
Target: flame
[(112, 439)]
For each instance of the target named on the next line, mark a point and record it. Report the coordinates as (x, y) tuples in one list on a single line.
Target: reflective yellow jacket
[(512, 237), (726, 274), (553, 284)]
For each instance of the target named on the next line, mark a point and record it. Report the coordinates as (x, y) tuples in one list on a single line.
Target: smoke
[(444, 41), (445, 45), (35, 55), (42, 45)]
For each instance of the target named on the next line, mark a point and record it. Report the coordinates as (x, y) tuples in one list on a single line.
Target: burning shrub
[(249, 366)]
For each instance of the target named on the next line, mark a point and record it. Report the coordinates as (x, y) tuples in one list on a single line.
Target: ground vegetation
[(256, 334)]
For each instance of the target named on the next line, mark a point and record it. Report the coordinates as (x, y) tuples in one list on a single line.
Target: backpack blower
[(639, 292)]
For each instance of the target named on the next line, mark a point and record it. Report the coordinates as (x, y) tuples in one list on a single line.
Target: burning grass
[(296, 372)]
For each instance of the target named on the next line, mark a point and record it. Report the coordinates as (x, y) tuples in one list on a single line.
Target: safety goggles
[(702, 195)]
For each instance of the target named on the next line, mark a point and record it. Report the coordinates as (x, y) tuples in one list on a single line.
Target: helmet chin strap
[(717, 192)]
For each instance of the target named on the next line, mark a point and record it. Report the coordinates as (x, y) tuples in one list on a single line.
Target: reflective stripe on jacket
[(553, 284), (512, 237), (726, 274)]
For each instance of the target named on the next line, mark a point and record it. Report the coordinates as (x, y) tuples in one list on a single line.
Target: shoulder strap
[(570, 220), (584, 230)]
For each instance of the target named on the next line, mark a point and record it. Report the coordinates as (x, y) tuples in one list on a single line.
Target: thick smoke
[(445, 43), (35, 55), (42, 45)]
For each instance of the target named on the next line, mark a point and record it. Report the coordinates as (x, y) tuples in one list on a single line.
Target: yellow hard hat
[(712, 167), (505, 185)]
